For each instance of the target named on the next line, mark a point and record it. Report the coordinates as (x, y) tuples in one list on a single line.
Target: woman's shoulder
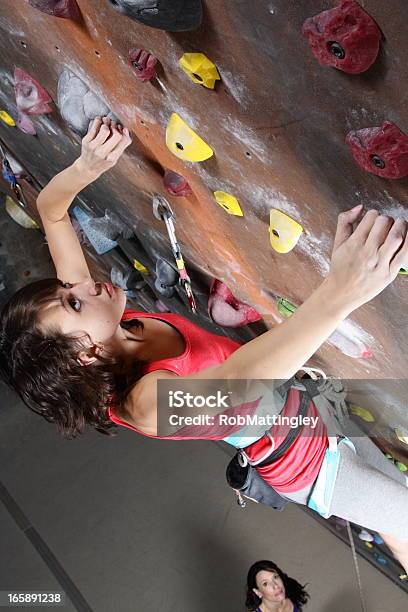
[(140, 406)]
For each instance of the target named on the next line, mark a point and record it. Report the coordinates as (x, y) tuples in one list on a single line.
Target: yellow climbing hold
[(140, 267), (284, 232), (363, 413), (200, 69), (184, 142), (229, 203), (368, 544), (7, 119), (402, 434), (19, 216)]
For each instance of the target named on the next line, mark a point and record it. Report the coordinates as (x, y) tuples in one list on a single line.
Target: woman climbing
[(271, 590), (67, 347)]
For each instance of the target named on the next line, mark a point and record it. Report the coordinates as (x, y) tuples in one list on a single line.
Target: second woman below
[(67, 346), (269, 589)]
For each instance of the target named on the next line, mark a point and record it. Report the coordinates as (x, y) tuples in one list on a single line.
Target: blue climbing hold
[(101, 243)]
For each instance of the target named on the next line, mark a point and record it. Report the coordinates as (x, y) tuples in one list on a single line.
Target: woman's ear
[(88, 357), (257, 593)]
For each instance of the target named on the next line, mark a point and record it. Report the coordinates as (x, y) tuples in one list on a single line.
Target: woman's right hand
[(366, 259), (102, 147)]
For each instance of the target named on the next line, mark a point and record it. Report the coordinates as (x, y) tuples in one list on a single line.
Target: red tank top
[(203, 349), (298, 467)]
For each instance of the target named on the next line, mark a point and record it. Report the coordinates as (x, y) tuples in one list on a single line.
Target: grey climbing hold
[(170, 15), (78, 104), (165, 291), (167, 275)]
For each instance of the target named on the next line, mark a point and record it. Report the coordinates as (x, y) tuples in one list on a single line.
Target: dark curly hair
[(293, 589), (43, 370)]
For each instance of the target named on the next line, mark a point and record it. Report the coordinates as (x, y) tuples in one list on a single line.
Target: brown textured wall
[(277, 123)]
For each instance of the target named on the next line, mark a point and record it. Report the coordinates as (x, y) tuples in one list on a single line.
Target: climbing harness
[(11, 178), (163, 212)]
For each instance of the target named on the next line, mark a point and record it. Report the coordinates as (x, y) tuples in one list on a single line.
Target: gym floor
[(129, 524)]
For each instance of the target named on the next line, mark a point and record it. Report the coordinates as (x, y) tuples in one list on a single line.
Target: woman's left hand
[(102, 146)]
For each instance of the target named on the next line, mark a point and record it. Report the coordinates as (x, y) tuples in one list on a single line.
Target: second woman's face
[(94, 308), (270, 587)]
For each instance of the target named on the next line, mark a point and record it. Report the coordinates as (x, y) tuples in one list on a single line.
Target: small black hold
[(179, 146), (336, 49), (377, 161)]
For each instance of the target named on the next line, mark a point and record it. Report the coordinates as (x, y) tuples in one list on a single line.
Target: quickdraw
[(163, 212), (11, 178)]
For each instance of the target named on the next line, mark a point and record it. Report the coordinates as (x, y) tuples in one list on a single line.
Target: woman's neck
[(283, 606)]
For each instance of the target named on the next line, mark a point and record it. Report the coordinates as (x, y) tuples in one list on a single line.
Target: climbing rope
[(356, 568)]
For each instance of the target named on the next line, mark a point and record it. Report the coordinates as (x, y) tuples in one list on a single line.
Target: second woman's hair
[(293, 589)]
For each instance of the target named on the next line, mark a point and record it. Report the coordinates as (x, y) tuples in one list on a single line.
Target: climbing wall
[(268, 118)]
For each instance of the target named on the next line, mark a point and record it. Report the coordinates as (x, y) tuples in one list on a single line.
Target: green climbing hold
[(401, 466), (286, 308)]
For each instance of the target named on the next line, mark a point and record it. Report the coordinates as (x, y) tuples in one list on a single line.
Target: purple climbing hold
[(68, 9), (176, 185), (226, 310), (161, 307)]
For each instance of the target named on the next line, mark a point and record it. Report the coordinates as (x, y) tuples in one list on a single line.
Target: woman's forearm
[(56, 197), (280, 352)]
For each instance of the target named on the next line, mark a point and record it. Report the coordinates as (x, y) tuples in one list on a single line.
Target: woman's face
[(94, 308), (270, 587)]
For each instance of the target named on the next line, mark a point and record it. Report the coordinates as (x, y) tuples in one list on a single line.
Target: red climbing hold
[(176, 185), (144, 64), (345, 37), (381, 150), (226, 310), (31, 99), (57, 8)]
